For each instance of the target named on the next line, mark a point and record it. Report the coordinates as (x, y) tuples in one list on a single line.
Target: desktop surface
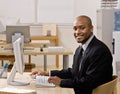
[(32, 87)]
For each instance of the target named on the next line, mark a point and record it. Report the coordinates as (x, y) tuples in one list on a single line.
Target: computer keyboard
[(43, 81)]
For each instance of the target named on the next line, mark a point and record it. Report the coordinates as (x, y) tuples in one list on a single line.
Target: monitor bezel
[(22, 29)]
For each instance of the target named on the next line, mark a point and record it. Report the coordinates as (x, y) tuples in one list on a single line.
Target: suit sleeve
[(64, 74)]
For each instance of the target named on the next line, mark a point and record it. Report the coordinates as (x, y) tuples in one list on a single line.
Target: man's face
[(82, 31)]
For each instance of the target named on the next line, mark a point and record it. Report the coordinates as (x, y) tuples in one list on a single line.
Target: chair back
[(107, 88)]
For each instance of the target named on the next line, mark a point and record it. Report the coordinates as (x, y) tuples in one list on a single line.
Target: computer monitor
[(13, 30), (18, 65)]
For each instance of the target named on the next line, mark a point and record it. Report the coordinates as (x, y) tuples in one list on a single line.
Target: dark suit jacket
[(96, 69)]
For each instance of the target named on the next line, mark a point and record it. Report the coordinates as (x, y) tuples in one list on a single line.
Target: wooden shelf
[(44, 37), (55, 38)]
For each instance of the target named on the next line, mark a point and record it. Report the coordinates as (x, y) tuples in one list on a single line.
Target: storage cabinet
[(105, 26), (116, 36)]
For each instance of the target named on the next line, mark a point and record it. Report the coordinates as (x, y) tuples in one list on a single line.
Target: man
[(92, 66)]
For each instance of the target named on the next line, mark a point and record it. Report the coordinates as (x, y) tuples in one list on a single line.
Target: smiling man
[(83, 29), (92, 64)]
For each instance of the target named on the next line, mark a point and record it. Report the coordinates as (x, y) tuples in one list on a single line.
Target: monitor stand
[(12, 81)]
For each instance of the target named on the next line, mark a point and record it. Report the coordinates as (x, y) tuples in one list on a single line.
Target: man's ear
[(91, 28)]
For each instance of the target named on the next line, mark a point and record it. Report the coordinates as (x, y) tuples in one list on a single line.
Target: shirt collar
[(85, 45)]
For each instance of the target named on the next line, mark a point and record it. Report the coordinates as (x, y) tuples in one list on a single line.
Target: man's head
[(83, 28)]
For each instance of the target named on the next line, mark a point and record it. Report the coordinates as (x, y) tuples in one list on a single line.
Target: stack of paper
[(12, 90), (55, 49)]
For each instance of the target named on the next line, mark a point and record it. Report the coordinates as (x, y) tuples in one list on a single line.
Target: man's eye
[(78, 27), (75, 28), (81, 27)]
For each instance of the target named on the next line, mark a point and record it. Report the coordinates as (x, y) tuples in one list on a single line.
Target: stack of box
[(108, 4), (117, 21)]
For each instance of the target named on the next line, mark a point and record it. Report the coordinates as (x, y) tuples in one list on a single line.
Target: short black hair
[(87, 18)]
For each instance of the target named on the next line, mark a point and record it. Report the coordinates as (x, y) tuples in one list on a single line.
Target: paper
[(55, 49), (17, 90), (43, 81)]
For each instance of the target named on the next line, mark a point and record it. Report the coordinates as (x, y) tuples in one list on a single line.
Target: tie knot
[(81, 51), (82, 48)]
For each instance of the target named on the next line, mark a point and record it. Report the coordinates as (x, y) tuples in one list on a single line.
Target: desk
[(65, 54), (32, 86), (32, 44), (55, 38), (41, 90), (37, 51)]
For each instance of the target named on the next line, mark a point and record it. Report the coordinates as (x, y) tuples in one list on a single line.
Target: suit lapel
[(86, 53)]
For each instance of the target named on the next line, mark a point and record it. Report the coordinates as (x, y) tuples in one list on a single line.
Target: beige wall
[(80, 7)]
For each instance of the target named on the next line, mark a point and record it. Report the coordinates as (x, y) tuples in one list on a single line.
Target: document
[(14, 90), (43, 81)]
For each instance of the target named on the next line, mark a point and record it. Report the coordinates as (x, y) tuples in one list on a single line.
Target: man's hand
[(56, 80), (45, 73)]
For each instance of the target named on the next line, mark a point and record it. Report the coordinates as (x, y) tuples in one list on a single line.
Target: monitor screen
[(18, 54), (19, 64), (24, 30)]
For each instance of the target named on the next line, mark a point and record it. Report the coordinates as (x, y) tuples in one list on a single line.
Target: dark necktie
[(79, 58), (80, 62)]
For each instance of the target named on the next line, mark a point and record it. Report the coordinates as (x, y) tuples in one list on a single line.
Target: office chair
[(107, 88)]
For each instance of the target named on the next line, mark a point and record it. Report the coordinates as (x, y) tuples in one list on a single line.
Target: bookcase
[(53, 38)]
